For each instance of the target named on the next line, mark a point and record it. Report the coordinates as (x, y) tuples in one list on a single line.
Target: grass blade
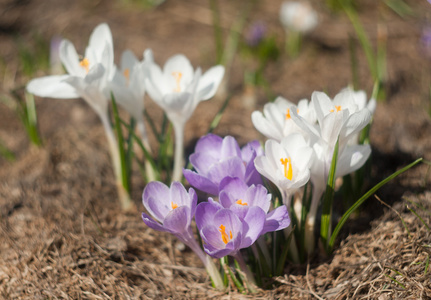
[(124, 170), (325, 225), (365, 197)]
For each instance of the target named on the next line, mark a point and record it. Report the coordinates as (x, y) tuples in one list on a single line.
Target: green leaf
[(124, 170), (365, 197), (325, 225)]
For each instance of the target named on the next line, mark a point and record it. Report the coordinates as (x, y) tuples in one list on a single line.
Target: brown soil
[(63, 234)]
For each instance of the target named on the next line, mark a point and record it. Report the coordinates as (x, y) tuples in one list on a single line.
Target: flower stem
[(311, 220), (123, 195), (179, 151), (148, 167), (211, 268), (249, 277)]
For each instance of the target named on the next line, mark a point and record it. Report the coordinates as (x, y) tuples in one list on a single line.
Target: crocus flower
[(223, 232), (177, 89), (87, 78), (129, 91), (239, 197), (255, 34), (298, 16), (173, 209), (276, 122), (286, 164), (216, 158)]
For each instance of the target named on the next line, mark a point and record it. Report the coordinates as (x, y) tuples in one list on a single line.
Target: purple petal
[(258, 196), (202, 161), (178, 195), (200, 182), (178, 220), (233, 167), (205, 212), (210, 144), (276, 220), (156, 200), (152, 224), (251, 150), (240, 210), (233, 186), (194, 197), (230, 148), (252, 226)]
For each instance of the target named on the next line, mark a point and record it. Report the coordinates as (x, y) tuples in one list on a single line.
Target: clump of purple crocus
[(226, 227), (216, 158)]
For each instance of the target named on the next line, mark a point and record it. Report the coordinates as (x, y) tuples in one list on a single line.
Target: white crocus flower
[(286, 164), (87, 78), (128, 87), (177, 89), (298, 16), (338, 119), (276, 122)]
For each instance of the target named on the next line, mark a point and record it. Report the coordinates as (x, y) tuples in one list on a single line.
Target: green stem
[(249, 277), (211, 268)]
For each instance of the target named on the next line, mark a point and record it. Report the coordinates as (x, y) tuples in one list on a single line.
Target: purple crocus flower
[(223, 232), (216, 158), (240, 198), (172, 208), (255, 34)]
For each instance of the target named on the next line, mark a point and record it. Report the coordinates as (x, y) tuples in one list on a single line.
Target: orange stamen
[(177, 76), (225, 238), (174, 205), (126, 74), (85, 64), (239, 201), (337, 107), (288, 114), (287, 163)]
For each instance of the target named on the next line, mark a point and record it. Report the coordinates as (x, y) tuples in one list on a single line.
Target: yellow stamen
[(127, 74), (226, 238), (287, 168), (174, 205), (288, 114), (177, 76), (337, 107), (239, 201), (85, 64)]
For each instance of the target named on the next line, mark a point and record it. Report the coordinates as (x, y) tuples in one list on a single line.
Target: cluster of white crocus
[(94, 76), (302, 139)]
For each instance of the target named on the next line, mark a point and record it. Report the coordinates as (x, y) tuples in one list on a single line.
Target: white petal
[(99, 37), (355, 123), (128, 60), (352, 158), (178, 64), (210, 82), (322, 105), (265, 127), (70, 59), (52, 87)]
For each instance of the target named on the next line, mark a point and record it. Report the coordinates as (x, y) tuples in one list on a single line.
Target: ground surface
[(62, 232)]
